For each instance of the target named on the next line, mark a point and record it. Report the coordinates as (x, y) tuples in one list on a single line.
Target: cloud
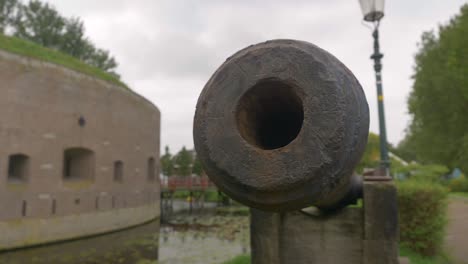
[(168, 49)]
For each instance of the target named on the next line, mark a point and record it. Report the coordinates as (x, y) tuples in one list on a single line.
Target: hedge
[(422, 216), (459, 184)]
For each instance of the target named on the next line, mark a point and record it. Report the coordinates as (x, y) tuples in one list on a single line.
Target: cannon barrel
[(281, 126)]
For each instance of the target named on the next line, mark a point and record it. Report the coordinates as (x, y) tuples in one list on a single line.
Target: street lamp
[(372, 9), (373, 13)]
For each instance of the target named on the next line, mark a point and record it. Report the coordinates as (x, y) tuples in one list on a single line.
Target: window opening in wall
[(78, 163), (151, 169), (23, 208), (18, 168), (118, 171), (54, 206), (81, 121)]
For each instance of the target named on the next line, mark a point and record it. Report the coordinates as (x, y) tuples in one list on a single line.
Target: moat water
[(201, 237)]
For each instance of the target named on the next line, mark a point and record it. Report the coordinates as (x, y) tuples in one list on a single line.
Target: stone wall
[(293, 237), (351, 235), (73, 150)]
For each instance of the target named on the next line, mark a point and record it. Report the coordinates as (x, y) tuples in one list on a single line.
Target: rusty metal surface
[(281, 125)]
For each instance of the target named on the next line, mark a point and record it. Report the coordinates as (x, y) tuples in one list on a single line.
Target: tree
[(41, 23), (429, 173), (101, 59), (7, 13), (197, 167), (438, 102), (371, 156), (73, 41), (183, 162), (166, 163), (405, 149)]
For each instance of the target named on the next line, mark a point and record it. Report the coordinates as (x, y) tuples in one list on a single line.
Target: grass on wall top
[(35, 51)]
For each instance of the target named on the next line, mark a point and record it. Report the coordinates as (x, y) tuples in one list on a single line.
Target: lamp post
[(373, 13)]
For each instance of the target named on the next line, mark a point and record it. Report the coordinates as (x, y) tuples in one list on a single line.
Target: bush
[(418, 259), (181, 195), (422, 216), (427, 173), (211, 196), (459, 184)]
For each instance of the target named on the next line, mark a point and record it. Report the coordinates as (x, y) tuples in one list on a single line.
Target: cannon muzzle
[(281, 126)]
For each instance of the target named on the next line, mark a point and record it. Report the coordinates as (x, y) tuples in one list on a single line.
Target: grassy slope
[(242, 259), (32, 50)]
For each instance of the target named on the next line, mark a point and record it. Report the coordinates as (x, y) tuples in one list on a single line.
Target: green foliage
[(167, 165), (32, 50), (242, 259), (458, 194), (371, 156), (183, 162), (416, 258), (41, 23), (405, 150), (181, 194), (422, 216), (197, 168), (459, 184), (7, 13), (211, 196), (428, 173), (438, 102), (73, 41)]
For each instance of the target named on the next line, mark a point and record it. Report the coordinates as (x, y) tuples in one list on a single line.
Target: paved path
[(457, 232)]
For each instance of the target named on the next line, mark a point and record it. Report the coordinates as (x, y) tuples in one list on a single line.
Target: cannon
[(281, 126)]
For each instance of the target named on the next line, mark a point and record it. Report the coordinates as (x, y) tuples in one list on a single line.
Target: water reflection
[(130, 246), (203, 237)]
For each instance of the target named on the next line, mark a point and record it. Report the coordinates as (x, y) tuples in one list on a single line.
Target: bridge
[(196, 188)]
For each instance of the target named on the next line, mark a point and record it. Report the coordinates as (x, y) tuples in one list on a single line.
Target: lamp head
[(372, 10)]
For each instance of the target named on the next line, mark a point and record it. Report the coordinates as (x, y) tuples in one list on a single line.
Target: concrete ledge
[(35, 231)]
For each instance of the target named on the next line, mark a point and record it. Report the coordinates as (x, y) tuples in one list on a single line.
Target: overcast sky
[(168, 49)]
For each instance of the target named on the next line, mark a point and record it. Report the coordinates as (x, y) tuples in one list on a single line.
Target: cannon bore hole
[(270, 114)]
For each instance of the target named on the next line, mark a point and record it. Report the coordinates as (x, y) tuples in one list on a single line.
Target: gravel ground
[(457, 232)]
